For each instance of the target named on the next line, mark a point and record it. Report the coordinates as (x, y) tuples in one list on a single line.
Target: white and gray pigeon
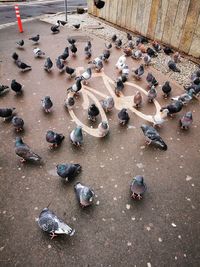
[(68, 171), (125, 72), (76, 87), (121, 63), (138, 187), (103, 128), (186, 97), (20, 43), (50, 223), (48, 64), (85, 195), (137, 73), (47, 104), (107, 103), (153, 137), (76, 136), (38, 52), (98, 63), (137, 54), (186, 120), (86, 75), (147, 60)]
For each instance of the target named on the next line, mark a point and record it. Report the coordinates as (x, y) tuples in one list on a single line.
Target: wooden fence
[(173, 22)]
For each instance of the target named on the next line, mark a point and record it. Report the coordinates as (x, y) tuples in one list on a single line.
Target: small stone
[(36, 208), (128, 206), (140, 165), (4, 212), (133, 218), (148, 264), (160, 239), (97, 203), (148, 228), (49, 246), (74, 218), (102, 166), (103, 219), (175, 258), (101, 186), (192, 184), (181, 167), (23, 176), (173, 224), (188, 199), (114, 198), (188, 178), (116, 185), (179, 236), (185, 255), (1, 248), (122, 147), (129, 244)]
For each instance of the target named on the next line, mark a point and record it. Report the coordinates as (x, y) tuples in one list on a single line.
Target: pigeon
[(86, 75), (121, 63), (71, 41), (142, 40), (23, 66), (114, 38), (69, 102), (24, 151), (70, 71), (97, 63), (3, 89), (151, 80), (103, 128), (138, 72), (186, 120), (107, 103), (73, 49), (185, 98), (167, 50), (138, 187), (123, 116), (156, 46), (108, 46), (174, 107), (47, 104), (68, 171), (93, 112), (76, 26), (166, 88), (20, 43), (59, 64), (55, 139), (76, 87), (131, 45), (62, 22), (18, 123), (16, 87), (196, 89), (48, 64), (137, 99), (88, 52), (127, 51), (137, 54), (76, 136), (55, 28), (129, 36), (38, 52), (147, 60), (159, 118), (65, 54), (152, 136), (123, 77), (15, 56), (35, 39), (6, 113), (177, 57), (151, 52), (50, 223), (125, 72), (105, 55), (119, 86), (118, 43), (84, 194), (152, 94), (172, 66), (142, 48), (89, 44)]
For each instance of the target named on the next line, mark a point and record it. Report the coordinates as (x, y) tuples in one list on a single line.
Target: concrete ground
[(160, 230)]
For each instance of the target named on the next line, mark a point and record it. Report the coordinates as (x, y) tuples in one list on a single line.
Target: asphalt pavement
[(160, 230)]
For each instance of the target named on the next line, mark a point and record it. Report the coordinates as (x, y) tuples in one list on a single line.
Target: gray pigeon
[(173, 107), (106, 55), (136, 54), (69, 102), (138, 187), (151, 80), (186, 120), (107, 103), (114, 38), (47, 104), (76, 87), (118, 43), (15, 56), (99, 3), (24, 151), (147, 60), (76, 26), (73, 49), (6, 113), (16, 87), (84, 194), (139, 72), (59, 64), (48, 64), (186, 97), (3, 89), (18, 123), (55, 139), (88, 52), (137, 99), (108, 46), (76, 136), (152, 94), (50, 223), (119, 86), (68, 171), (65, 54), (103, 128), (152, 136), (35, 39), (172, 66), (70, 71), (166, 88), (93, 112), (97, 63), (123, 116), (23, 66)]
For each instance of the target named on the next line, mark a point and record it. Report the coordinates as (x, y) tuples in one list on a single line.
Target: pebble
[(188, 178), (97, 203), (160, 239), (49, 246), (1, 248), (173, 224), (148, 264), (129, 244), (128, 206)]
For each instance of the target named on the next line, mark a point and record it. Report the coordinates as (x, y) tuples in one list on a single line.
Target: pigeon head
[(191, 92), (104, 125), (71, 101), (88, 194), (139, 180), (78, 131), (188, 115)]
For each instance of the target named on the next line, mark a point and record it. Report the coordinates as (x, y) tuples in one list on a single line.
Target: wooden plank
[(113, 11), (107, 7), (90, 6), (190, 24), (195, 47), (146, 17), (169, 21), (134, 14), (128, 14), (102, 13), (123, 15), (139, 16), (119, 12), (153, 18), (162, 10), (179, 22)]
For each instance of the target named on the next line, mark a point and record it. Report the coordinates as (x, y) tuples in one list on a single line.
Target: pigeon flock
[(48, 221)]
